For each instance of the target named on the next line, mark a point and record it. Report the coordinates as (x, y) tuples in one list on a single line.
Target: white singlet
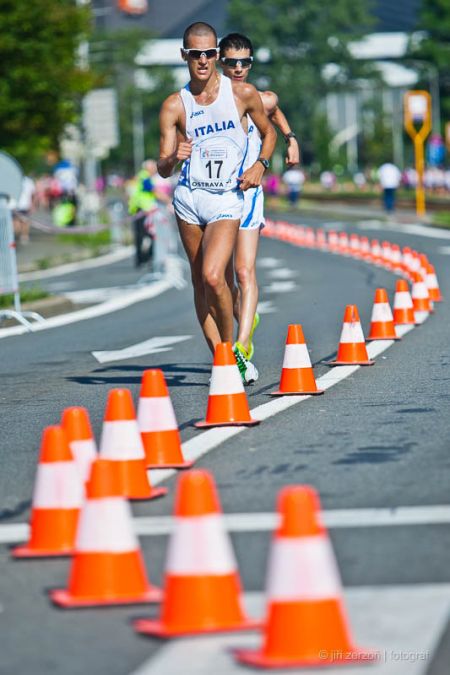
[(207, 190), (253, 214)]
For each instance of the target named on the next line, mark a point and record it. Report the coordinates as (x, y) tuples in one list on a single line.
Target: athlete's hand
[(184, 150), (252, 177), (292, 153)]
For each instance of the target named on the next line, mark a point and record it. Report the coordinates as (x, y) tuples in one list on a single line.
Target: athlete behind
[(236, 58), (205, 126)]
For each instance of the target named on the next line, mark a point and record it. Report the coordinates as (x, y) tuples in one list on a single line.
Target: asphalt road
[(379, 439)]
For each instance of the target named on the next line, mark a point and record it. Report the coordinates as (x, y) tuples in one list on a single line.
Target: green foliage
[(40, 82), (303, 37), (434, 49), (376, 140), (26, 295), (87, 240), (113, 56)]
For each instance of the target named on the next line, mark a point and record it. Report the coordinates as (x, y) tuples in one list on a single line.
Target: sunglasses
[(233, 63), (198, 53)]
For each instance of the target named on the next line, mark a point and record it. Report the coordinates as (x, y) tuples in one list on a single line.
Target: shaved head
[(198, 29)]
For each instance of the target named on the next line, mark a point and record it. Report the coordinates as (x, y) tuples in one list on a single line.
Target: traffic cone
[(386, 254), (157, 424), (403, 304), (375, 251), (121, 443), (306, 621), (382, 322), (396, 259), (432, 284), (333, 241), (227, 401), (355, 245), (321, 239), (297, 375), (343, 243), (75, 422), (420, 298), (202, 589), (107, 568), (365, 248), (352, 347), (57, 499)]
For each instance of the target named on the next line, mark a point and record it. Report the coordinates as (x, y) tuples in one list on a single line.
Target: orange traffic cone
[(57, 499), (75, 422), (355, 245), (365, 248), (343, 243), (432, 284), (121, 443), (202, 591), (420, 298), (333, 241), (382, 323), (375, 251), (297, 375), (403, 304), (157, 424), (227, 402), (306, 619), (107, 568), (352, 347)]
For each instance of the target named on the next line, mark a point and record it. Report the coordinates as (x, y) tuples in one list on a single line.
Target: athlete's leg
[(218, 244), (191, 238), (245, 265), (229, 274)]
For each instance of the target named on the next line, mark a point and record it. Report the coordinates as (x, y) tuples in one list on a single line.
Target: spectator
[(327, 180), (293, 179), (23, 209), (389, 177)]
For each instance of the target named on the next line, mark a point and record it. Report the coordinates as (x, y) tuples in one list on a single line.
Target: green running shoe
[(248, 371), (251, 349)]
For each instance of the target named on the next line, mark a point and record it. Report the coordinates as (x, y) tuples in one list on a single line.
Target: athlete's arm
[(253, 106), (278, 118), (171, 149)]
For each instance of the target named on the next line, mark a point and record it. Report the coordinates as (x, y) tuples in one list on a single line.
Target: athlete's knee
[(214, 279), (246, 275)]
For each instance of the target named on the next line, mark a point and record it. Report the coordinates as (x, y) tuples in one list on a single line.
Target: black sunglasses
[(232, 63), (198, 53)]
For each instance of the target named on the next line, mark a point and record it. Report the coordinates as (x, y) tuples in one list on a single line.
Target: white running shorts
[(253, 214), (201, 207)]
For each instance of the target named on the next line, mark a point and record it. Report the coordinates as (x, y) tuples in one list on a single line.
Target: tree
[(40, 80), (308, 52), (434, 49), (113, 56)]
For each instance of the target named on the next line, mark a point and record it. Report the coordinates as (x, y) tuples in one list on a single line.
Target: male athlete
[(236, 57), (205, 126)]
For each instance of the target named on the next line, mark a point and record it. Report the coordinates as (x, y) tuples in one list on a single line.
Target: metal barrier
[(9, 282), (165, 243)]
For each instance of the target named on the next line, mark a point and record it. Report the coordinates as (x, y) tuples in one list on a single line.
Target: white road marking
[(266, 307), (151, 346), (112, 305), (156, 526), (280, 287), (99, 261), (282, 274), (445, 250), (419, 230), (402, 623), (269, 262), (96, 295)]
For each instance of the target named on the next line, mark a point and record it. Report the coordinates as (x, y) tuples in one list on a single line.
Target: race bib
[(215, 164)]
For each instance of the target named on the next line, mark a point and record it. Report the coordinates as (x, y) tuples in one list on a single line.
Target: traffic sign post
[(417, 117)]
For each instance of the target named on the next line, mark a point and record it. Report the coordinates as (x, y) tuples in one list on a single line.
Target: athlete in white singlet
[(236, 52), (204, 126)]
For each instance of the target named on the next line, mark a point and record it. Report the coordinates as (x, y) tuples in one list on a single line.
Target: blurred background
[(82, 83)]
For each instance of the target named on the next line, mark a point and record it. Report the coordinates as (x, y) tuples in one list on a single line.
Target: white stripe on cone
[(225, 380), (121, 440), (84, 453), (420, 316), (302, 569), (403, 300), (352, 333), (156, 414), (105, 525), (419, 290), (199, 545), (296, 356), (381, 312), (431, 281), (58, 486)]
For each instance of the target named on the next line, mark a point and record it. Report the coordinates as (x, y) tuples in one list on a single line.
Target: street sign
[(100, 119), (417, 117)]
